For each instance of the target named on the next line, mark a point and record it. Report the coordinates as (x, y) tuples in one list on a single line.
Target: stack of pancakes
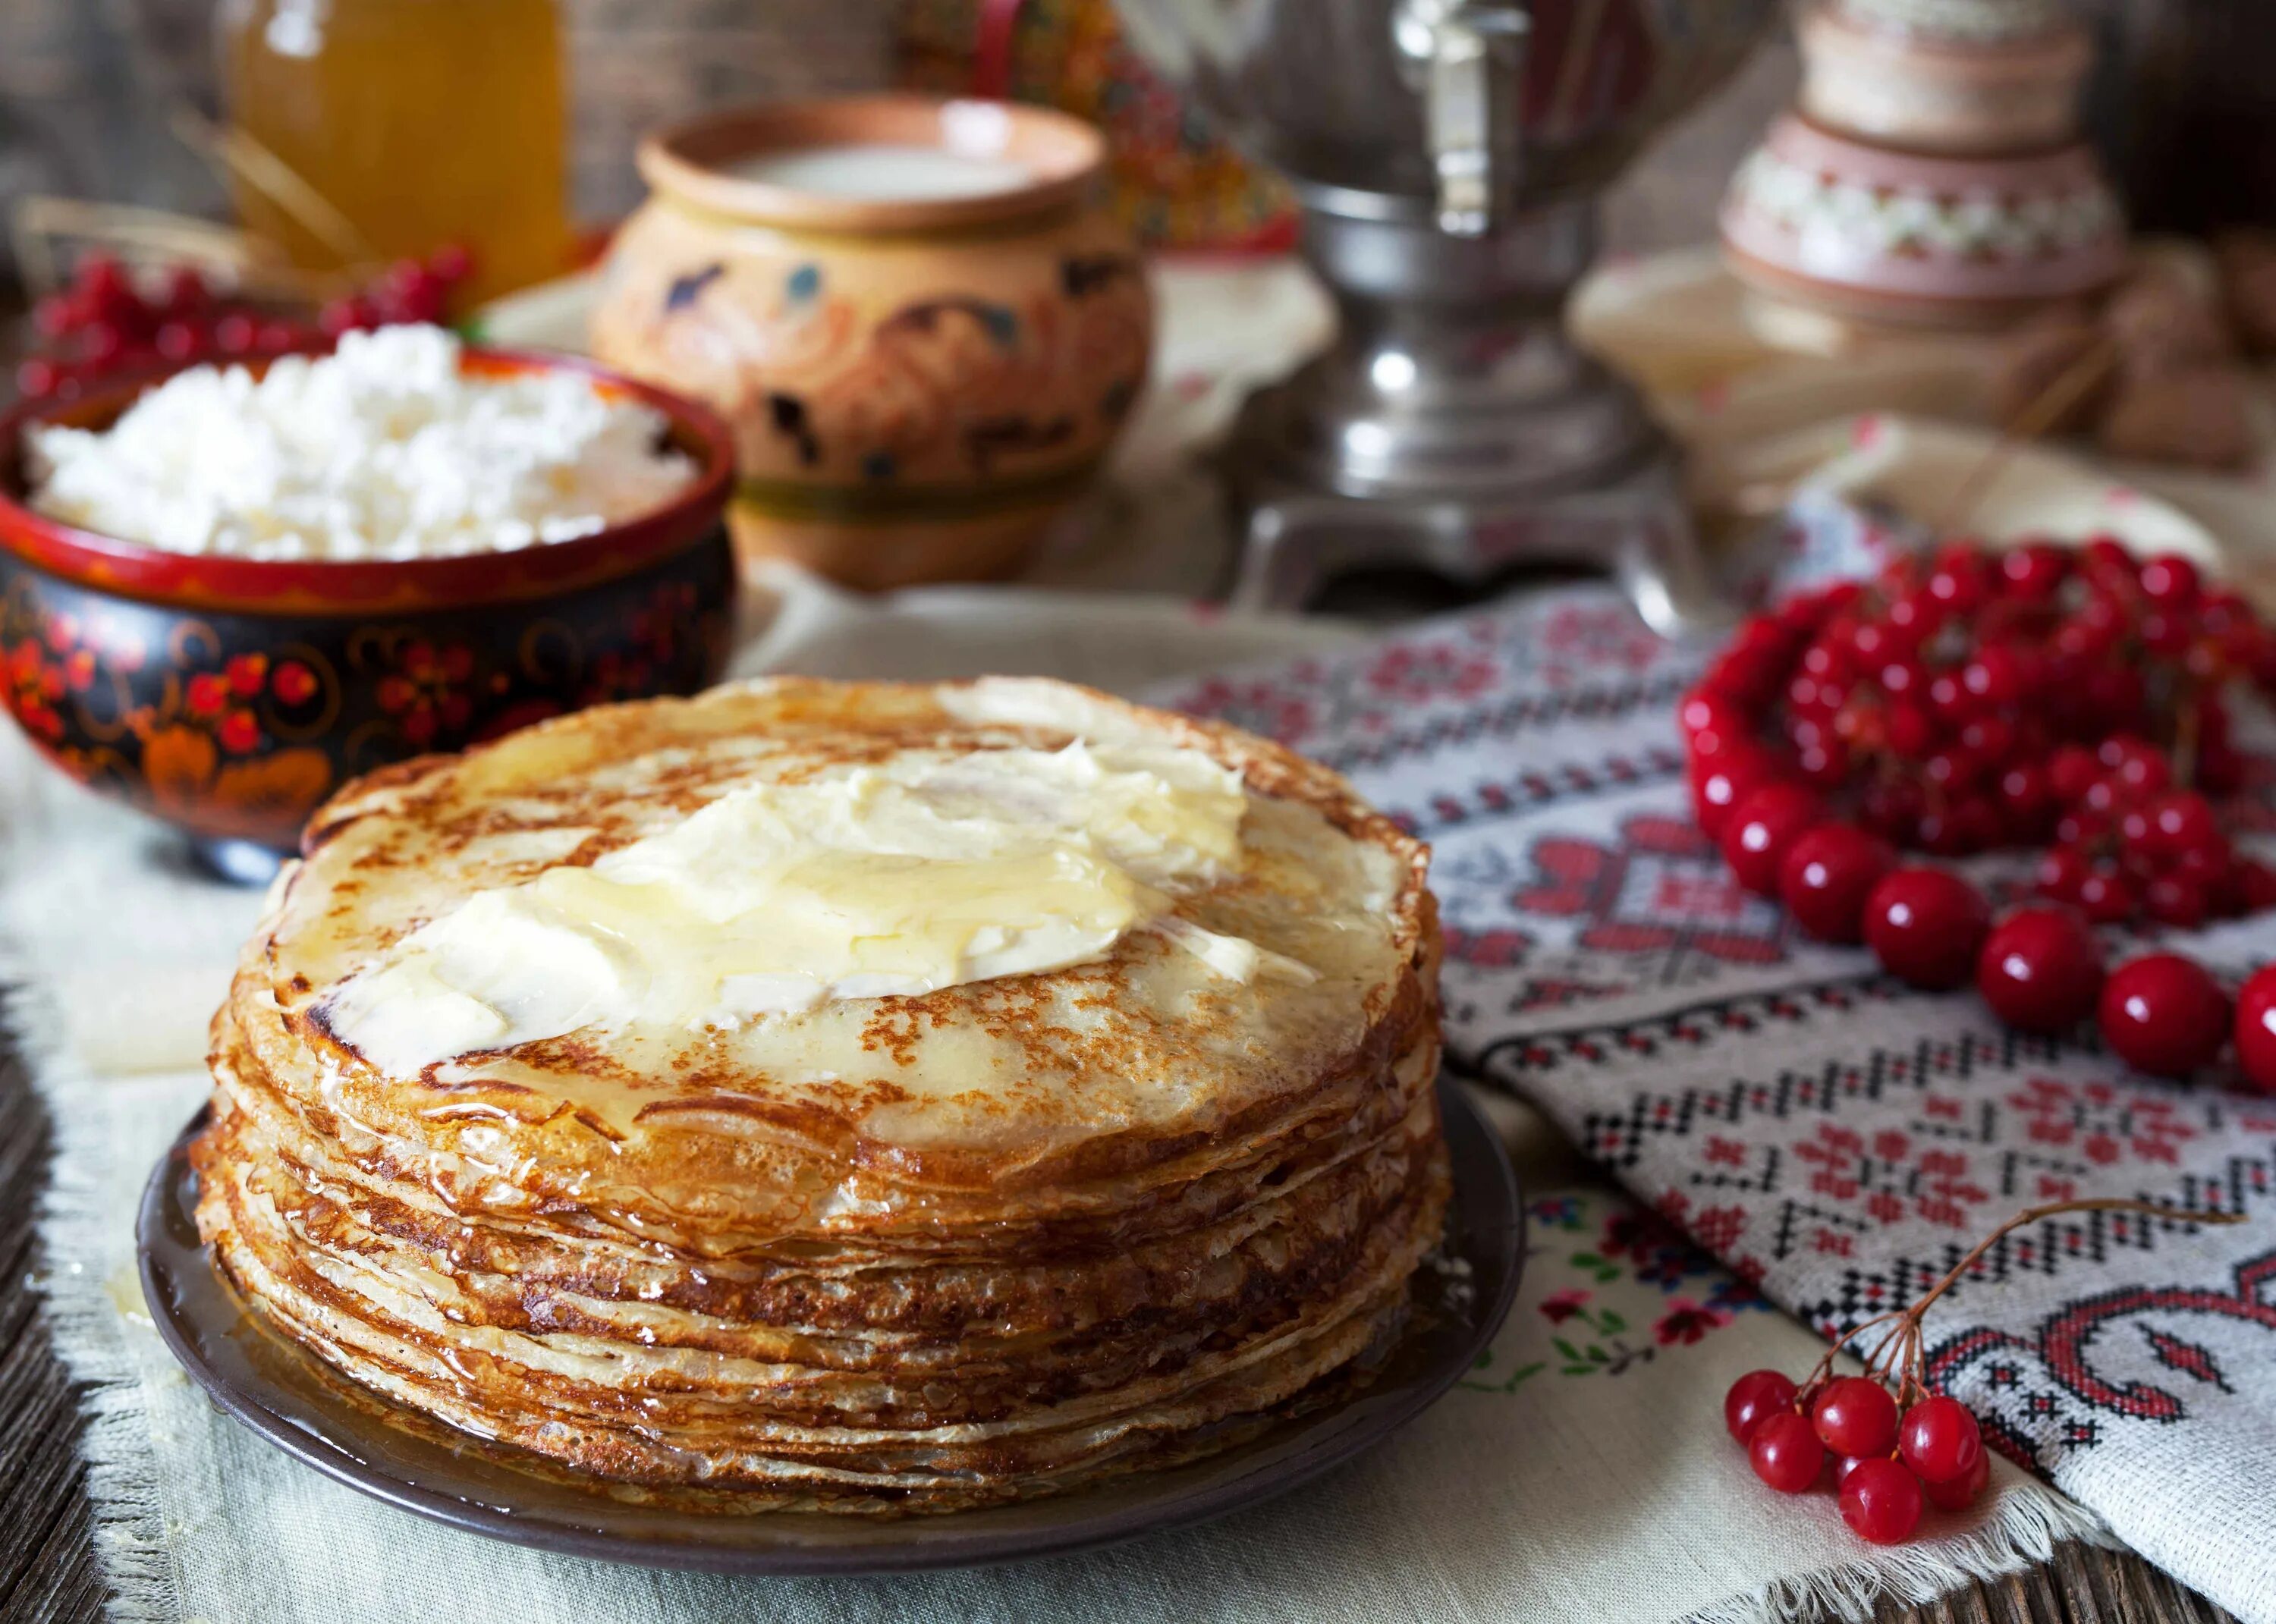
[(902, 1253)]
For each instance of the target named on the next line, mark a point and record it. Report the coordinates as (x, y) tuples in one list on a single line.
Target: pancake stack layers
[(855, 1097)]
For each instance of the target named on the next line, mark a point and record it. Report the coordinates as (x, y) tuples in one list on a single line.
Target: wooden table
[(47, 1558)]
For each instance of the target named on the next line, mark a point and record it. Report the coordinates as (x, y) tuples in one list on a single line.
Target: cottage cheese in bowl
[(381, 451)]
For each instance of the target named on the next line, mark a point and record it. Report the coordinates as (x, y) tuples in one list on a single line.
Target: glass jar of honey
[(360, 130)]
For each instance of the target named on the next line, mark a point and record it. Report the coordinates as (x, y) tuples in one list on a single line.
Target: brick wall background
[(636, 64), (85, 84)]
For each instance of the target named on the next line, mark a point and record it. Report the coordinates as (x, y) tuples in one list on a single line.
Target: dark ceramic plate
[(295, 1401)]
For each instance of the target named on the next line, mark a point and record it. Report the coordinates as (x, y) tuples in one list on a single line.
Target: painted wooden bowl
[(229, 696), (1878, 234), (917, 387)]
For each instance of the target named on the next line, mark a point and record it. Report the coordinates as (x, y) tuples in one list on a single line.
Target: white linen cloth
[(1581, 1473)]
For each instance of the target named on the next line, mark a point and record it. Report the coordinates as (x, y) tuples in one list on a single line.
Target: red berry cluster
[(1941, 707), (1895, 1446), (2127, 843), (107, 321), (1887, 1467), (1939, 696), (407, 290)]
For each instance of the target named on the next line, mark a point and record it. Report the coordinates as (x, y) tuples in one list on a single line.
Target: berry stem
[(1895, 1359), (2057, 1209)]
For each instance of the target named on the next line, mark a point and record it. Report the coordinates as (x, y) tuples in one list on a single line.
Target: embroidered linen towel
[(1835, 1137)]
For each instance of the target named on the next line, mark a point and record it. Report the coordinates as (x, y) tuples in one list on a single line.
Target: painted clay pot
[(916, 389), (1876, 234), (230, 696)]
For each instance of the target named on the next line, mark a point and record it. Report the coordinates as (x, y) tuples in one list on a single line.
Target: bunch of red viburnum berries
[(111, 322), (2073, 701), (1895, 1447)]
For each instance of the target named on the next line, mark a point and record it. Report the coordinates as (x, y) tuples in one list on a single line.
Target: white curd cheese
[(380, 451)]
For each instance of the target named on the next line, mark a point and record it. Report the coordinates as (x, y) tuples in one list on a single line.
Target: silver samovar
[(1449, 156)]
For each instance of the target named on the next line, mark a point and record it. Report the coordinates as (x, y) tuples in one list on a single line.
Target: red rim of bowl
[(209, 581)]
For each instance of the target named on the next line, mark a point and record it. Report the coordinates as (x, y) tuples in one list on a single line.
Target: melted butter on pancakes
[(927, 869)]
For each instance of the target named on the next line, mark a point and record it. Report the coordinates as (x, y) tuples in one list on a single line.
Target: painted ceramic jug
[(921, 324), (1932, 175)]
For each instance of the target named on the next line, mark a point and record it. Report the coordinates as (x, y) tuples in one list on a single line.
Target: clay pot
[(917, 388), (231, 697)]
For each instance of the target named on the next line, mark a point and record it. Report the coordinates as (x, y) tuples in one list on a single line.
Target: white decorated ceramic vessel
[(1881, 234), (1958, 21), (1977, 91)]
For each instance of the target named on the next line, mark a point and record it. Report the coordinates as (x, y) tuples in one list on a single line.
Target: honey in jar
[(416, 122)]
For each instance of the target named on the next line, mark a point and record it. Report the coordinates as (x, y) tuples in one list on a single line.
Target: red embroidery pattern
[(1660, 890), (1833, 1136)]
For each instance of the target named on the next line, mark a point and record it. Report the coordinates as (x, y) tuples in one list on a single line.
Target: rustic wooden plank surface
[(47, 1561), (47, 1557)]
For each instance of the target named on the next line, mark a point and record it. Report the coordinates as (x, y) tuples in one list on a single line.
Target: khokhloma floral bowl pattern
[(230, 696)]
